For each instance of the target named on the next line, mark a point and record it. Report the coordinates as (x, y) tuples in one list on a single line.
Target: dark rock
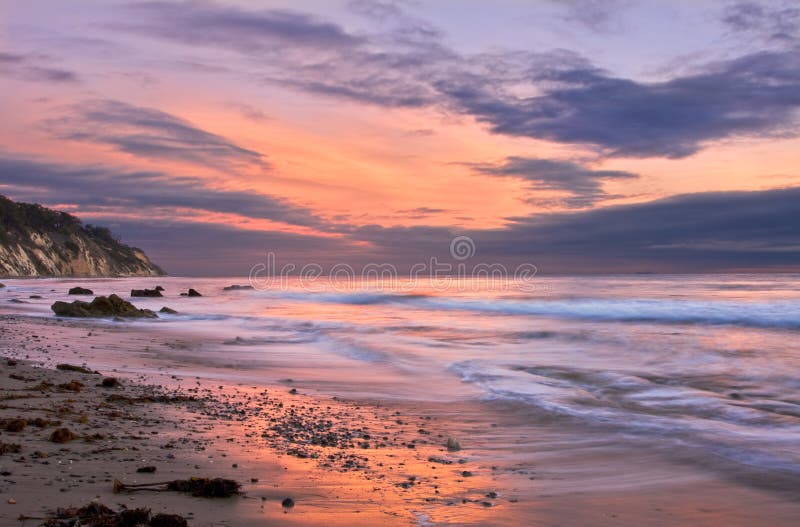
[(2, 286), (80, 291), (146, 470), (35, 297), (168, 310), (110, 382), (287, 503), (159, 288), (62, 435), (9, 448), (102, 306), (237, 287), (191, 292), (14, 425), (453, 445), (71, 386), (145, 292)]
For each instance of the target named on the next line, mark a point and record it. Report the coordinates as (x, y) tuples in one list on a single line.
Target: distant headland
[(39, 242)]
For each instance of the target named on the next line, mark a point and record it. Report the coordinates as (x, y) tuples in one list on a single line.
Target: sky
[(579, 136)]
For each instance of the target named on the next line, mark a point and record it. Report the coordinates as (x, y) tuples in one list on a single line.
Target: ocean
[(703, 370)]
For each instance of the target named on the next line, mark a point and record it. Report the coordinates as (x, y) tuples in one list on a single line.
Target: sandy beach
[(341, 462)]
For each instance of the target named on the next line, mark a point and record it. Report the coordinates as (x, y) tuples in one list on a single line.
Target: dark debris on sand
[(78, 369), (197, 487), (98, 515)]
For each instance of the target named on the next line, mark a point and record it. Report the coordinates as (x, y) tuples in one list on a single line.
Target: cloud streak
[(584, 185), (141, 193), (149, 133), (30, 68)]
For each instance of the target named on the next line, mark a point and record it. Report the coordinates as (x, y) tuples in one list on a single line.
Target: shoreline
[(267, 432)]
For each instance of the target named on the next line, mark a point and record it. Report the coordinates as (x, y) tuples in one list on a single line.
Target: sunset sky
[(580, 136)]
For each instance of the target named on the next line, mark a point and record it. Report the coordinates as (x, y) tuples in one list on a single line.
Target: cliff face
[(36, 241)]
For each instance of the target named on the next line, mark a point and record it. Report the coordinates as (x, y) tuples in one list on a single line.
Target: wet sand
[(343, 462)]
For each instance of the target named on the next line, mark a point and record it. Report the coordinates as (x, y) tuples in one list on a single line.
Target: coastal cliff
[(36, 242)]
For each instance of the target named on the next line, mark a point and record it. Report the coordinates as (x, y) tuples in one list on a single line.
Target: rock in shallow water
[(237, 287), (146, 292), (102, 306), (80, 291)]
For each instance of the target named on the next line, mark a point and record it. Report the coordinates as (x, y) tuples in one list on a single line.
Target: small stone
[(16, 425), (110, 382), (287, 503), (453, 444), (62, 435)]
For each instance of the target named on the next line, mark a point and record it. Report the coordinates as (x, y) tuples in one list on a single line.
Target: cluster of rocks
[(147, 292), (114, 306), (101, 306)]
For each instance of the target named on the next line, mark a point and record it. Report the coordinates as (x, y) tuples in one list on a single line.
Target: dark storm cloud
[(556, 95), (97, 187), (754, 95), (27, 67), (584, 185), (707, 231), (712, 231), (148, 133)]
